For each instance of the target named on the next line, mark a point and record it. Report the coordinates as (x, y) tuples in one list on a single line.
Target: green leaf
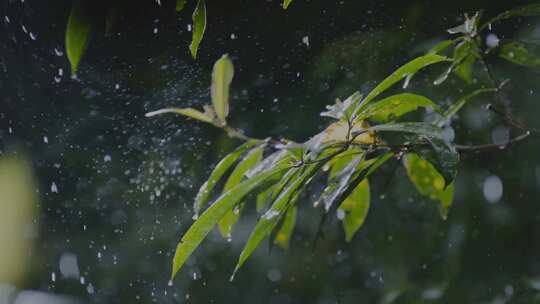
[(396, 106), (518, 53), (206, 189), (227, 201), (454, 108), (355, 207), (436, 49), (367, 168), (408, 69), (286, 3), (530, 10), (79, 29), (283, 236), (338, 163), (222, 76), (465, 54), (428, 181), (441, 46), (189, 112), (444, 157), (199, 26), (264, 198), (420, 128), (180, 4), (300, 177), (338, 184), (247, 163)]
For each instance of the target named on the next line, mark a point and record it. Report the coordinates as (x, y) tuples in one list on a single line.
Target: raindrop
[(69, 266), (274, 275), (305, 40), (45, 139), (107, 158), (90, 289), (492, 41), (493, 188), (54, 188)]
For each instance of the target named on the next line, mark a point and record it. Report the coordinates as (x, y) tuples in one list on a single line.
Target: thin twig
[(476, 148)]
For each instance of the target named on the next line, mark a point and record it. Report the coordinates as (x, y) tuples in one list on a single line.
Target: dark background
[(126, 183)]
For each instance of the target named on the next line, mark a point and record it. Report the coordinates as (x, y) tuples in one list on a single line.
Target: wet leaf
[(79, 29), (227, 201), (436, 49), (444, 157), (189, 112), (355, 207), (465, 57), (396, 106), (222, 76), (338, 163), (264, 198), (199, 26), (283, 236), (518, 53), (180, 4), (441, 46), (206, 189), (286, 3), (300, 177), (367, 168), (249, 161), (406, 70), (339, 132), (420, 128), (338, 184), (428, 181), (455, 107)]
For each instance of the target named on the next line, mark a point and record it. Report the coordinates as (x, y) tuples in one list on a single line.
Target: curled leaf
[(222, 76), (189, 112)]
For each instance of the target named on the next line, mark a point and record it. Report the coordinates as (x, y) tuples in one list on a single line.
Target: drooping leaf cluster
[(366, 133)]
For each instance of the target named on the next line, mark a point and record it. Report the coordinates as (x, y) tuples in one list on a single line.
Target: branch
[(477, 148)]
